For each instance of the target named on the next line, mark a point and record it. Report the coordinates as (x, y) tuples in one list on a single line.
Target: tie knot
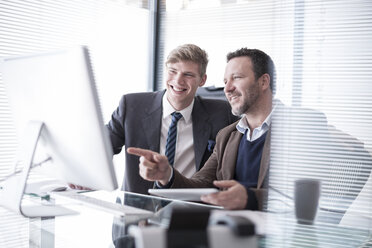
[(176, 116)]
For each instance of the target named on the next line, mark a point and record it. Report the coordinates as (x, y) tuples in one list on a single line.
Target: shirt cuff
[(168, 185)]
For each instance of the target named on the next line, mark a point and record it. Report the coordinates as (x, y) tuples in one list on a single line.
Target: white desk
[(93, 228)]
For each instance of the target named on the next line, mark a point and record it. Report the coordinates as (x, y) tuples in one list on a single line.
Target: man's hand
[(152, 166), (234, 195)]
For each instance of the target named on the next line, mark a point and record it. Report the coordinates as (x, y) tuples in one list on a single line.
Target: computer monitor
[(55, 108)]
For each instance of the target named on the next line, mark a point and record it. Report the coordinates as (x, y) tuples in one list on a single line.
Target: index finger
[(212, 198), (148, 154)]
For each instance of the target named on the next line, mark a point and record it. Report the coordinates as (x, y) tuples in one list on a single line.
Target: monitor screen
[(58, 90)]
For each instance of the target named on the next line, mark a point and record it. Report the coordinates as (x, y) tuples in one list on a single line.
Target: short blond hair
[(189, 52)]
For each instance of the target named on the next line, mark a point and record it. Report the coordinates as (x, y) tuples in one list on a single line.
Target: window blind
[(322, 50), (328, 137), (116, 33)]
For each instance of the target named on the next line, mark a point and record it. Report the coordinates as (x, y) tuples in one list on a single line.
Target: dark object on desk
[(125, 241), (307, 193), (240, 225), (188, 228)]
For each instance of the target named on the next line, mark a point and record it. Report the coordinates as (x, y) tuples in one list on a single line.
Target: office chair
[(348, 171)]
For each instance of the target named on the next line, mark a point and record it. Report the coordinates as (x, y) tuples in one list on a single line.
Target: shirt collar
[(168, 109), (242, 125)]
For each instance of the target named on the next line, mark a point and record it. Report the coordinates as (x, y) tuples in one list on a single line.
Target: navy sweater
[(247, 166)]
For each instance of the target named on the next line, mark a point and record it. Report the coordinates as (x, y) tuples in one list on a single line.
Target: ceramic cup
[(307, 193)]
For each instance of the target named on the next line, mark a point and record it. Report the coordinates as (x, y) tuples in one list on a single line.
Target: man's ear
[(203, 80), (265, 81)]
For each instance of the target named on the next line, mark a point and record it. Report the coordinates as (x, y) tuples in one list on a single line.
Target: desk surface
[(94, 228)]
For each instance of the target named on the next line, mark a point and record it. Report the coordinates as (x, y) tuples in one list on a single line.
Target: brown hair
[(189, 52), (262, 63)]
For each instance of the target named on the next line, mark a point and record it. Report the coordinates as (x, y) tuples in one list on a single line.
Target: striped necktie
[(170, 147)]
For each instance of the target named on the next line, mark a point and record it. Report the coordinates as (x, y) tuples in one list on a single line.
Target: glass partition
[(323, 56)]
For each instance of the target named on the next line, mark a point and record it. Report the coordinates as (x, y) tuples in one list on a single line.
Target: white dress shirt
[(184, 159)]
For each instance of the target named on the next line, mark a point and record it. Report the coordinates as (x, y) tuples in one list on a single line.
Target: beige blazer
[(221, 164)]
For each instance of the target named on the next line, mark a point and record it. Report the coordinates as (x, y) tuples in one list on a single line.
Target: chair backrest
[(348, 172), (211, 92)]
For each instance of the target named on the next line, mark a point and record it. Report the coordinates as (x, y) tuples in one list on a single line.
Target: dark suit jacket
[(137, 123), (221, 165)]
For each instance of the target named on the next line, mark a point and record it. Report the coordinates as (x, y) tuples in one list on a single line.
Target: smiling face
[(183, 79), (241, 88)]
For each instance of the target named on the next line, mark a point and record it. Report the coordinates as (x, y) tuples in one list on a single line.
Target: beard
[(250, 98)]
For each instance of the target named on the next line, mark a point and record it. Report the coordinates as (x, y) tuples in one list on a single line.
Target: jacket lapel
[(152, 122), (201, 131), (265, 160), (230, 155)]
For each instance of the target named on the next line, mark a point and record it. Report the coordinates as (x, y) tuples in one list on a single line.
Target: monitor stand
[(14, 188)]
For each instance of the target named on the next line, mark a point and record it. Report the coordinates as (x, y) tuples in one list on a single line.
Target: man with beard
[(240, 159)]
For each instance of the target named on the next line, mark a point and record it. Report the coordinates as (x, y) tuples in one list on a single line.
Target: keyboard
[(103, 205)]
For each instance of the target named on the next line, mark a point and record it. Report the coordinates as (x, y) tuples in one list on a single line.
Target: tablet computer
[(187, 194)]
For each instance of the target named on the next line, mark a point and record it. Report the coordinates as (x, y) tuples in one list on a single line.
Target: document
[(187, 194)]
